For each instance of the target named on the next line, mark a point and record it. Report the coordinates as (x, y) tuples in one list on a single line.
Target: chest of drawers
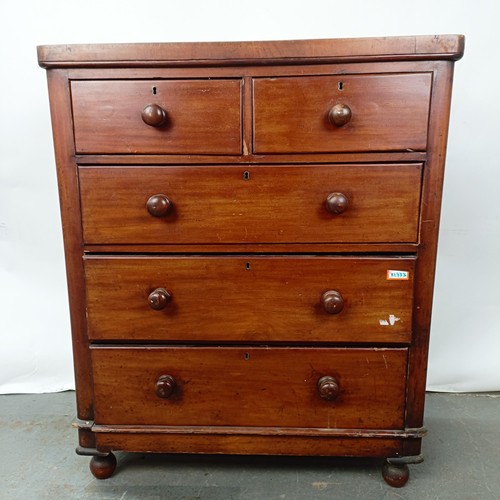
[(250, 233)]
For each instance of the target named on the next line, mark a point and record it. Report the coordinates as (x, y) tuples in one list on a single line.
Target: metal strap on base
[(416, 459), (82, 424), (90, 452)]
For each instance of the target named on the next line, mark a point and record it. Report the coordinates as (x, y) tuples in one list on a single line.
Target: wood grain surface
[(250, 386), (264, 52), (257, 204), (389, 113), (203, 116), (248, 298)]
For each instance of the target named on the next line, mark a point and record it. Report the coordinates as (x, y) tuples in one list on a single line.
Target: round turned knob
[(336, 203), (332, 301), (154, 115), (159, 205), (159, 298), (165, 386), (328, 388), (340, 114)]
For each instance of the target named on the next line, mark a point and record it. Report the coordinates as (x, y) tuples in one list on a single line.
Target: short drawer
[(251, 204), (186, 116), (240, 386), (341, 113), (249, 298)]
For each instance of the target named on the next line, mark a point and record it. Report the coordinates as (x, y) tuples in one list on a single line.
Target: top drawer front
[(202, 116), (388, 112)]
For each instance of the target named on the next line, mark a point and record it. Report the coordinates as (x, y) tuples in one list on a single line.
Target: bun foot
[(103, 467), (395, 475)]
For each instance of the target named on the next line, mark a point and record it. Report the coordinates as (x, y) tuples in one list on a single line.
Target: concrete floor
[(37, 443)]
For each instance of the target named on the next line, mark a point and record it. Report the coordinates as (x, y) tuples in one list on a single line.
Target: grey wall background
[(35, 354)]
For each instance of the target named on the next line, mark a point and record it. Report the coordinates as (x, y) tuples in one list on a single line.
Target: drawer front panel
[(387, 112), (249, 298), (251, 204), (249, 387), (201, 116)]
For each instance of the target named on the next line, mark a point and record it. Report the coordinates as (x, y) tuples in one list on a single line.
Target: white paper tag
[(398, 275)]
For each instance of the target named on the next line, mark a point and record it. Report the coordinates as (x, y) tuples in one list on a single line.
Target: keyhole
[(246, 356), (248, 266), (153, 90), (246, 175), (341, 86)]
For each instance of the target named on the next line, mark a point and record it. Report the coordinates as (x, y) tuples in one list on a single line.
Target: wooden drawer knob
[(159, 298), (340, 114), (165, 386), (154, 115), (328, 388), (336, 203), (159, 205), (332, 301)]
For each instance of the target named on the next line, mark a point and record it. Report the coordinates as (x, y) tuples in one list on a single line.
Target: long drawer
[(336, 113), (185, 116), (233, 386), (251, 204), (250, 298)]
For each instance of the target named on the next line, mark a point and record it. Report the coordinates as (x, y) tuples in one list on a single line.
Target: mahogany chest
[(250, 233)]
